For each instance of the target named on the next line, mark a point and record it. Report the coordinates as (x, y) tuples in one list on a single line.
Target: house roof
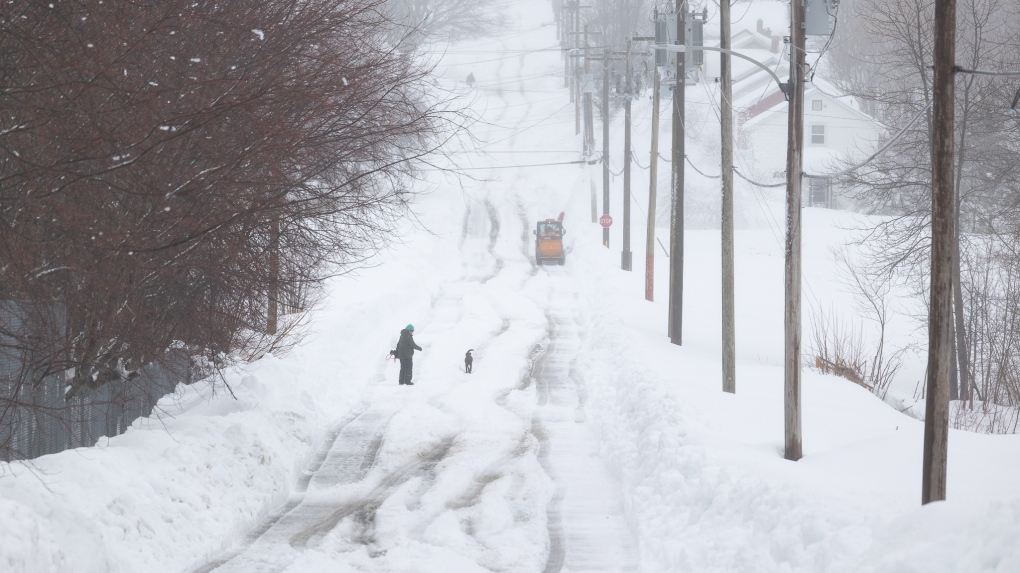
[(774, 14), (748, 40), (755, 26), (775, 100)]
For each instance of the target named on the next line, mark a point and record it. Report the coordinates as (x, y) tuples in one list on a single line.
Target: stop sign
[(605, 221)]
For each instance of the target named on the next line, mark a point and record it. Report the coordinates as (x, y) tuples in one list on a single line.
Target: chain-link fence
[(35, 417)]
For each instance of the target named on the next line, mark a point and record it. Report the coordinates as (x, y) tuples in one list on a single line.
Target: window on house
[(816, 104), (818, 134)]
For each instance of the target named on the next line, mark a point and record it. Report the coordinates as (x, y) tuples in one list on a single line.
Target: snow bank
[(185, 484), (706, 484)]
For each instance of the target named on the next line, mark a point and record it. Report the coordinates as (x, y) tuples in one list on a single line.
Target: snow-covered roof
[(757, 30), (775, 100), (744, 16)]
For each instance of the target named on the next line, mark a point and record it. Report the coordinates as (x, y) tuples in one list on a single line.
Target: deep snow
[(582, 439)]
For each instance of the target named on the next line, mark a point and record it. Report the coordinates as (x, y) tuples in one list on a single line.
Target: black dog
[(468, 361)]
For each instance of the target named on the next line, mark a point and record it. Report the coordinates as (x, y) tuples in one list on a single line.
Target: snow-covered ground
[(583, 440)]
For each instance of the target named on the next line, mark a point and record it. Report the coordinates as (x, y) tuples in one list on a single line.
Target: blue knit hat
[(410, 327)]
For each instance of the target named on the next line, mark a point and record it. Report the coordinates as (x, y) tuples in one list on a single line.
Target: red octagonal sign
[(605, 221)]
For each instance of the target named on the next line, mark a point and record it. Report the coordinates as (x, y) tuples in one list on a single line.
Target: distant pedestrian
[(471, 79), (405, 354)]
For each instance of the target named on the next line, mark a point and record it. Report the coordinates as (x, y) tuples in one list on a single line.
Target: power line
[(960, 70), (700, 172), (536, 124), (759, 184), (633, 156)]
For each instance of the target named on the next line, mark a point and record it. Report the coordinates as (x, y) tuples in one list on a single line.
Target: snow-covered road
[(374, 486)]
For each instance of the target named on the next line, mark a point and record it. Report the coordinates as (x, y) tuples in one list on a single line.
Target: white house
[(834, 129)]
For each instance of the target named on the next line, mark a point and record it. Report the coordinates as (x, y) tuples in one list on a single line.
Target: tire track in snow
[(554, 521), (364, 508), (588, 530), (493, 237), (340, 459)]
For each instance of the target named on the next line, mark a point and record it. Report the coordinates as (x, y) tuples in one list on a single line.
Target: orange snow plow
[(549, 241)]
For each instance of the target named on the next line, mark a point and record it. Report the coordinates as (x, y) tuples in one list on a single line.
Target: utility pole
[(729, 336), (653, 182), (676, 234), (588, 100), (605, 144), (626, 255), (565, 40), (577, 91), (794, 172), (589, 126), (589, 122), (936, 419), (558, 15)]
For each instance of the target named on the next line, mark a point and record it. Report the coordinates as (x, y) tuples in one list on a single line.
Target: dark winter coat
[(406, 345)]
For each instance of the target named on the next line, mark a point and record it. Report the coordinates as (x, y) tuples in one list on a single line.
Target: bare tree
[(171, 170), (841, 347), (884, 58)]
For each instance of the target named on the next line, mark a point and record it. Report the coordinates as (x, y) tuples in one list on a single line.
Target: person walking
[(405, 354)]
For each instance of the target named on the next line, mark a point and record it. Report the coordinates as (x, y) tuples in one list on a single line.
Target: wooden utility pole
[(626, 255), (676, 228), (565, 40), (577, 87), (729, 336), (558, 14), (589, 121), (588, 139), (794, 172), (943, 206), (653, 163), (589, 129), (605, 145)]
